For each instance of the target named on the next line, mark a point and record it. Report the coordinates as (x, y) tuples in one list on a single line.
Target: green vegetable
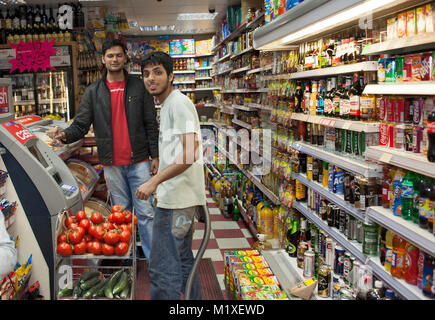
[(112, 281), (88, 275), (100, 291), (125, 291), (90, 283), (77, 291), (122, 283), (65, 292), (90, 293)]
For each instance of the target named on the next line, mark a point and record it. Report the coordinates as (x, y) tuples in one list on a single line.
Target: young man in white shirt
[(179, 183)]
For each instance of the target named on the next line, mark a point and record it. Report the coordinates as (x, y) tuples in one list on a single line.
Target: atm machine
[(44, 184)]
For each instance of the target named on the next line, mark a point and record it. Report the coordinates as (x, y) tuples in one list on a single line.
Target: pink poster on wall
[(31, 56)]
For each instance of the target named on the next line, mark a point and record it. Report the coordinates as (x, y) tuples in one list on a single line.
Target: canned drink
[(342, 226), (302, 247), (359, 231), (309, 264), (417, 111), (338, 140), (338, 186), (347, 267), (399, 116), (338, 260), (330, 215), (384, 136), (408, 112), (391, 109), (370, 240), (349, 141), (324, 281), (331, 177), (417, 138), (337, 214), (338, 285), (345, 294), (329, 254), (347, 177), (382, 106), (408, 144), (351, 229), (324, 212)]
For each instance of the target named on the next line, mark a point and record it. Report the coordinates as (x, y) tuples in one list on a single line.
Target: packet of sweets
[(401, 25), (420, 20), (411, 28), (430, 18)]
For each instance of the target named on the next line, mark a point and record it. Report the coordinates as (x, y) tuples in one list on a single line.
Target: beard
[(158, 93)]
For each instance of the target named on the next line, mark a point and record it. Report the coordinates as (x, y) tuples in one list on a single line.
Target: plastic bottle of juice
[(424, 203), (389, 250), (411, 265), (275, 213), (386, 182), (399, 256), (407, 195), (267, 221), (397, 190)]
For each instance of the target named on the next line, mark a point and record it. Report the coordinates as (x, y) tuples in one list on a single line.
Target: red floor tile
[(212, 244), (208, 195), (219, 267), (212, 205), (251, 241), (199, 226), (228, 233), (219, 217)]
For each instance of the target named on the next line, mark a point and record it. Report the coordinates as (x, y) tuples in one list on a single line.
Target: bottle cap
[(389, 293), (378, 284)]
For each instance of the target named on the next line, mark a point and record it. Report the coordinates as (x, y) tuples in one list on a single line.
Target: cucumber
[(125, 291), (90, 283), (88, 275), (100, 291), (65, 292), (90, 293), (122, 283), (110, 284), (77, 291)]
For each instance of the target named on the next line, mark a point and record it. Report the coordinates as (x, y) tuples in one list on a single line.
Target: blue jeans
[(122, 183), (171, 255)]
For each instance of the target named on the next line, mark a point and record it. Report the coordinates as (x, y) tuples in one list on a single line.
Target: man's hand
[(146, 190), (154, 166), (56, 133)]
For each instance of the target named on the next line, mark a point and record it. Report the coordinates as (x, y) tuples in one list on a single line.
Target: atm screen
[(38, 156)]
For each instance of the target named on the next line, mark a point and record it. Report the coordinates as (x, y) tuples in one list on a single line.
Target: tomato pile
[(97, 235)]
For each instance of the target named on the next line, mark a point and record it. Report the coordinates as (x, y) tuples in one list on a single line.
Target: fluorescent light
[(360, 10), (197, 16), (157, 28)]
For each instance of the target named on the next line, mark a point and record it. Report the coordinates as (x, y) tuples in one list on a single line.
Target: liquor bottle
[(16, 21), (313, 99), (44, 18), (23, 19), (354, 96), (329, 97), (321, 99), (3, 34), (51, 25), (345, 100), (307, 95), (8, 21), (29, 18), (337, 97), (299, 97)]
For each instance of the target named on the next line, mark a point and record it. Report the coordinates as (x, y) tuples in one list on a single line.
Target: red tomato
[(85, 224), (135, 220), (108, 250), (88, 237), (75, 236), (108, 226), (91, 229), (64, 249), (123, 227), (94, 247), (125, 236), (110, 217), (99, 232), (80, 215), (111, 237), (121, 249), (97, 218), (73, 225), (62, 238), (128, 216), (118, 217), (117, 208), (80, 248), (68, 221), (130, 227)]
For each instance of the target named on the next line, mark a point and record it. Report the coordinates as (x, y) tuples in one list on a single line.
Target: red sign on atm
[(4, 101), (28, 119), (18, 131)]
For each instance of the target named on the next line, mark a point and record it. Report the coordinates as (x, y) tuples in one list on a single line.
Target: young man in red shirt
[(123, 116)]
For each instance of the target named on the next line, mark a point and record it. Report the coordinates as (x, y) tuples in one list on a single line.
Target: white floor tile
[(199, 234), (233, 243), (214, 210), (246, 233), (224, 225), (221, 280), (213, 254)]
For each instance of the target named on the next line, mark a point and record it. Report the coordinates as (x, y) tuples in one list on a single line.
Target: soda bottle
[(236, 214), (431, 136), (407, 195), (377, 293), (417, 184), (399, 254), (411, 265), (388, 250), (428, 276), (424, 203), (386, 182), (431, 213), (389, 295), (397, 189), (420, 266)]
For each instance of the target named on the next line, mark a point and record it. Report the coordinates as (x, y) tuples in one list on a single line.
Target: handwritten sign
[(31, 56)]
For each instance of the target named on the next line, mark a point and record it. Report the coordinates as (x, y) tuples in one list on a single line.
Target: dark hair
[(110, 43), (158, 57)]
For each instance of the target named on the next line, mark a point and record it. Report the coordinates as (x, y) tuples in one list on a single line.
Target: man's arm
[(183, 161), (150, 123)]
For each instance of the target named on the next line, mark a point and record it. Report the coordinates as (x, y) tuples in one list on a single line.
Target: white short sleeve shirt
[(178, 116)]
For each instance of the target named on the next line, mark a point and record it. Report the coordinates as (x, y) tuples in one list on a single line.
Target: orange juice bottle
[(399, 256)]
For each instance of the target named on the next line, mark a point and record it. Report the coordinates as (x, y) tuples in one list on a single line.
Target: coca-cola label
[(417, 111), (383, 134), (431, 127)]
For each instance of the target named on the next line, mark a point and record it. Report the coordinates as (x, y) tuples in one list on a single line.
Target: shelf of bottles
[(30, 23)]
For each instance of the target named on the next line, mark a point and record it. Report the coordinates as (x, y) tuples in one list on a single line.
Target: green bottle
[(419, 179), (408, 195), (236, 212)]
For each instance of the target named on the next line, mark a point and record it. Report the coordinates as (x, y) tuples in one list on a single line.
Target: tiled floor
[(225, 235)]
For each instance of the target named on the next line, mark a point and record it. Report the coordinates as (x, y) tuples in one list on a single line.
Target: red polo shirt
[(121, 138)]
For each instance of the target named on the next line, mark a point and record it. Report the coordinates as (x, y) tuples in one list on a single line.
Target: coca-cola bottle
[(431, 136)]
